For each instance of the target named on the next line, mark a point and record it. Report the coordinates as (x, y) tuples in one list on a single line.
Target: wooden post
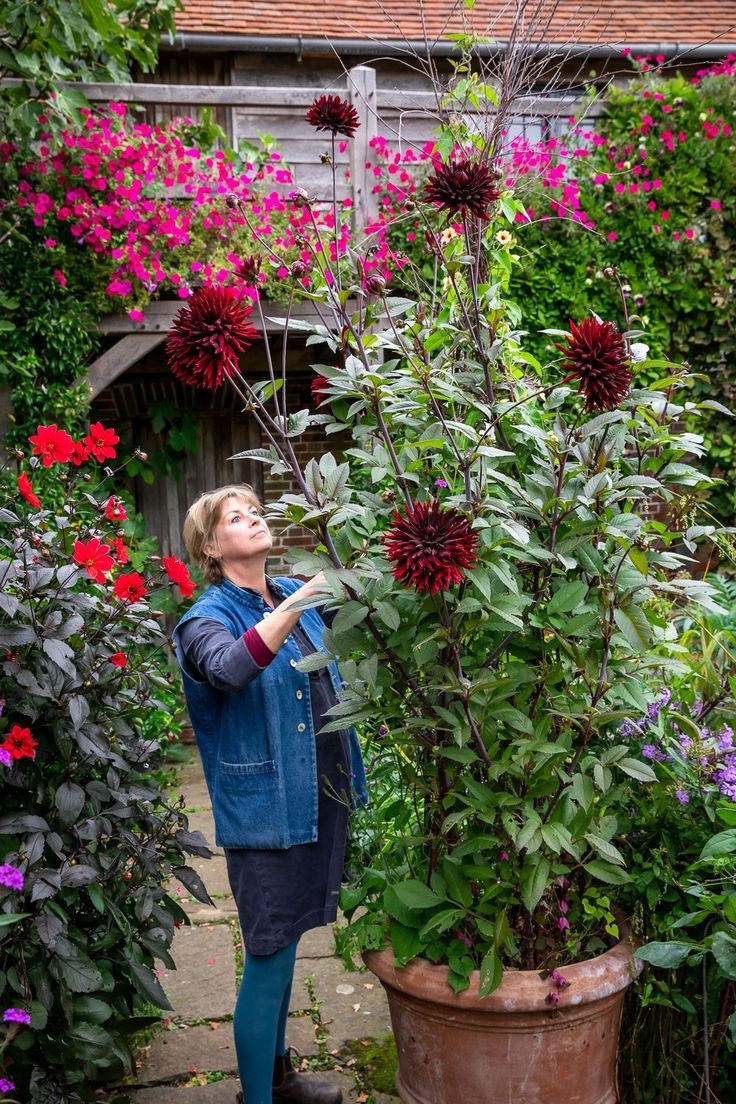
[(362, 93)]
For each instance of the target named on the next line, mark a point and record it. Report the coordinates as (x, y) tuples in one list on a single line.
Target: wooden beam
[(159, 315), (123, 354)]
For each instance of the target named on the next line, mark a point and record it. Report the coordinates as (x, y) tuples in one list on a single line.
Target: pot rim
[(590, 980)]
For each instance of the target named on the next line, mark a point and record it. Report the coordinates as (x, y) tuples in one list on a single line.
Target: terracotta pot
[(511, 1047)]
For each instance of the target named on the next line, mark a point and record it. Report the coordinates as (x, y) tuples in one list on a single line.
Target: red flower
[(100, 441), (118, 659), (178, 573), (462, 186), (80, 454), (95, 557), (54, 445), (249, 268), (429, 546), (121, 552), (129, 588), (319, 388), (25, 488), (114, 509), (596, 356), (20, 744), (207, 335), (333, 114)]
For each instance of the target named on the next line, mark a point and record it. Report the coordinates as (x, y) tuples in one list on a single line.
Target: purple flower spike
[(16, 1015), (682, 796), (10, 876), (5, 757)]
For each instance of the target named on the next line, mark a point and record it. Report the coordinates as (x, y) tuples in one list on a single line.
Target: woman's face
[(240, 534)]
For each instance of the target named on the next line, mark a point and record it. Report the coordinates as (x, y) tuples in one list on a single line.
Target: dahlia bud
[(299, 269), (19, 454), (87, 478), (140, 454), (325, 159), (231, 200), (609, 273), (374, 284), (300, 197)]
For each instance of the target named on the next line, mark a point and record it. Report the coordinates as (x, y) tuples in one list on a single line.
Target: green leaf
[(78, 971), (69, 801), (534, 879), (643, 772), (604, 871), (568, 597), (405, 942), (668, 955), (491, 973), (724, 843), (315, 662), (639, 560), (349, 615), (416, 895), (723, 947), (633, 623)]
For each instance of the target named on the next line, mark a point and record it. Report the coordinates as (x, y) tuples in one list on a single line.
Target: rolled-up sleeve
[(212, 653)]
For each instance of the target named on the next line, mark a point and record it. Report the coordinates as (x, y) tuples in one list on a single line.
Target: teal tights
[(260, 1017)]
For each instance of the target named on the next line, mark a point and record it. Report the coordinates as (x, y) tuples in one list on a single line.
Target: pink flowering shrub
[(149, 210)]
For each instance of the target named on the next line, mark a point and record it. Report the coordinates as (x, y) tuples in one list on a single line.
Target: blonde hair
[(201, 521)]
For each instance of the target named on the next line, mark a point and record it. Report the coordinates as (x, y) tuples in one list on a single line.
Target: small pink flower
[(715, 204), (50, 243), (136, 315), (60, 276), (612, 236)]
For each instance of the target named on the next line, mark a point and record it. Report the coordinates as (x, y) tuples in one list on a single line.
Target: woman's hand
[(276, 626)]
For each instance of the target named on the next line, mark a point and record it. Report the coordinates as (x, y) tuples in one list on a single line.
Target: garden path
[(339, 1021)]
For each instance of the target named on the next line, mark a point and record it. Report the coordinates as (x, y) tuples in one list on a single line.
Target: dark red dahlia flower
[(333, 114), (207, 335), (429, 546), (462, 186), (249, 268), (319, 388), (596, 356)]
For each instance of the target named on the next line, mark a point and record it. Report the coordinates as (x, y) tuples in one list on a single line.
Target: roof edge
[(199, 42)]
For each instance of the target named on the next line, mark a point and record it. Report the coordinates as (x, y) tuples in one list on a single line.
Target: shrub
[(88, 842)]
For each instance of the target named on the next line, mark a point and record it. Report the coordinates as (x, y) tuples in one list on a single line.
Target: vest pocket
[(232, 774)]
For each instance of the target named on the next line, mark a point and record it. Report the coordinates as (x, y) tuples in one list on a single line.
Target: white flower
[(504, 237), (639, 351)]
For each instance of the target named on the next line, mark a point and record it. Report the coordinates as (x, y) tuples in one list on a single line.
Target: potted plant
[(504, 541)]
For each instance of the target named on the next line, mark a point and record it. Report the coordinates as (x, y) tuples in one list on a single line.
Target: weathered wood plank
[(159, 315), (123, 354), (362, 87)]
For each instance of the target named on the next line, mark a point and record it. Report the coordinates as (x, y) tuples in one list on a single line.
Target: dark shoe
[(290, 1087)]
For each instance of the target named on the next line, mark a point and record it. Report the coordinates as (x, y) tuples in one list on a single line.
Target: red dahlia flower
[(54, 445), (333, 114), (462, 186), (121, 552), (114, 509), (178, 573), (20, 744), (80, 454), (596, 356), (129, 588), (118, 659), (99, 442), (26, 489), (249, 268), (319, 388), (207, 335), (429, 546), (95, 557)]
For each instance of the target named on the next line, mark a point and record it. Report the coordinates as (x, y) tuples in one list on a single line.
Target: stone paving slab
[(174, 1054), (219, 1092), (317, 943), (302, 1035), (353, 1005), (203, 985)]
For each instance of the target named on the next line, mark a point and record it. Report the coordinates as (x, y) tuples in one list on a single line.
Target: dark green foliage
[(85, 819)]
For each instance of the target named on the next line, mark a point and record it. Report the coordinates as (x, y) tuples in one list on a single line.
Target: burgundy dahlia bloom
[(596, 356), (462, 186), (429, 545), (319, 388), (333, 114), (207, 335)]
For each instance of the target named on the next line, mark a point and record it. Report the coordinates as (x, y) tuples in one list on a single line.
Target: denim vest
[(258, 744)]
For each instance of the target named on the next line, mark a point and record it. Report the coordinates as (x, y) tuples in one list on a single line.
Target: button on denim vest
[(257, 744)]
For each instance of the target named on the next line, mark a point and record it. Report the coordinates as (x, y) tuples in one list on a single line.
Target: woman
[(280, 790)]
